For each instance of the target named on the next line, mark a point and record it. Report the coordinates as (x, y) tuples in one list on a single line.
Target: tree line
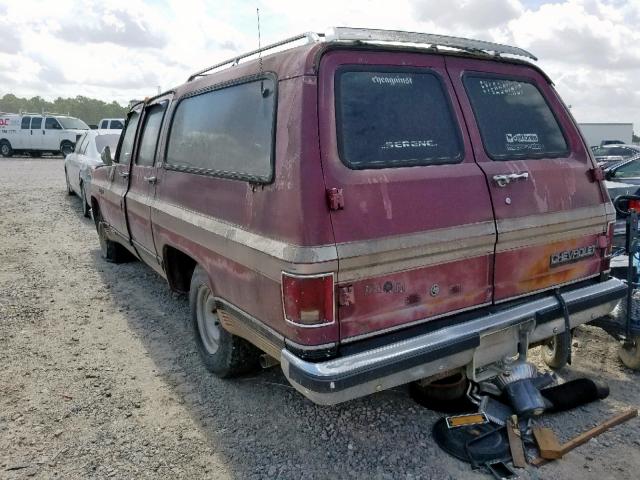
[(90, 110)]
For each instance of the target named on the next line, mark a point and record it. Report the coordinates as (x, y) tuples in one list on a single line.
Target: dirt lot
[(100, 379)]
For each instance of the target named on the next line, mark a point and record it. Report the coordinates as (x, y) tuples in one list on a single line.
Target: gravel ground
[(100, 378)]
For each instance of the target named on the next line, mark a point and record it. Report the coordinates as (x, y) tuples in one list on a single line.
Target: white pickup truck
[(36, 134)]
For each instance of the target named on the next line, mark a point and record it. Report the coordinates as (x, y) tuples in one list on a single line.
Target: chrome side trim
[(550, 227), (454, 346)]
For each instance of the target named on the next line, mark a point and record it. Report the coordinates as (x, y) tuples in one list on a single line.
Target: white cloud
[(122, 49)]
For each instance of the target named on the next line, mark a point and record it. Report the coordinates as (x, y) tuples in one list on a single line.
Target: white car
[(79, 164), (36, 133), (111, 124)]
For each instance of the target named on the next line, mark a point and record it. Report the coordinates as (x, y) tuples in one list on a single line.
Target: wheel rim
[(5, 149), (208, 321)]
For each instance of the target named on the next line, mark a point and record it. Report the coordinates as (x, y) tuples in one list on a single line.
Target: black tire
[(66, 148), (5, 149), (227, 355), (70, 191), (555, 351), (111, 251), (86, 209), (630, 354)]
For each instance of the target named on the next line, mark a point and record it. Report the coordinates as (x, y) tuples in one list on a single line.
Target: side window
[(226, 132), (51, 123), (149, 136), (126, 146), (36, 123), (116, 125), (104, 124), (26, 122), (80, 145), (398, 117), (514, 119), (630, 170)]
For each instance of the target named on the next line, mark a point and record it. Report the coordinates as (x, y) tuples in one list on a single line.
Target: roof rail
[(24, 112), (337, 34), (346, 34), (310, 36)]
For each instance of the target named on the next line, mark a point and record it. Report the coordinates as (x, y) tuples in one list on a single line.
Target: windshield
[(110, 140), (73, 123)]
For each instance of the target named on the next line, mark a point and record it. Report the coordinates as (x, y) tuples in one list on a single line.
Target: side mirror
[(105, 156), (609, 174)]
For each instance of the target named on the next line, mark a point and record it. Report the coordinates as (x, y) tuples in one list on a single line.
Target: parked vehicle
[(35, 133), (366, 215), (78, 166), (612, 154), (111, 123)]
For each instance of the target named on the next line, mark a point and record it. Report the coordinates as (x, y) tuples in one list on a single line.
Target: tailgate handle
[(504, 180)]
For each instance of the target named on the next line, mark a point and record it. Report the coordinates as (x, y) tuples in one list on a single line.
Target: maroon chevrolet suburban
[(366, 209)]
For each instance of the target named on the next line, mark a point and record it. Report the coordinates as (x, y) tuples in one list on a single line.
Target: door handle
[(504, 180), (124, 174), (151, 180)]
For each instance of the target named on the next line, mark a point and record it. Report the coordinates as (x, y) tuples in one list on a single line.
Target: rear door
[(549, 208), (143, 180), (410, 208)]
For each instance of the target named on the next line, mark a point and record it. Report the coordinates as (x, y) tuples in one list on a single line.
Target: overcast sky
[(124, 49)]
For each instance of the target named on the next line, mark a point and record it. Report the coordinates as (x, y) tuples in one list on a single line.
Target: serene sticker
[(392, 81), (410, 144)]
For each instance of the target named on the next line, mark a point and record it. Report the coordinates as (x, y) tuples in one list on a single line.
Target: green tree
[(90, 110)]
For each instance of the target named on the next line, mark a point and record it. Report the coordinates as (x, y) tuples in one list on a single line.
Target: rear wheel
[(222, 353), (5, 149), (630, 353), (555, 351), (66, 148)]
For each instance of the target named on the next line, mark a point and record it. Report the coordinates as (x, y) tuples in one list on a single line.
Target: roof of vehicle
[(304, 59)]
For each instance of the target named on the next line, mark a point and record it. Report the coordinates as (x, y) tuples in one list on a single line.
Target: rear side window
[(26, 121), (116, 125), (149, 136), (104, 124), (36, 123), (394, 118), (226, 132), (514, 119)]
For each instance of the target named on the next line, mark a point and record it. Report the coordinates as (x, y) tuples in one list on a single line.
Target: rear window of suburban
[(514, 119), (226, 132), (394, 117)]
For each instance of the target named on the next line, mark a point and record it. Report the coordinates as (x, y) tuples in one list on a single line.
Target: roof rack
[(310, 36), (348, 34), (396, 36)]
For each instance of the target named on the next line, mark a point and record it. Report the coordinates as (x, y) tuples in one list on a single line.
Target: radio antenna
[(259, 43)]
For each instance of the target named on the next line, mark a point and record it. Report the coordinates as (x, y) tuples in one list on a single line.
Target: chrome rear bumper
[(473, 344)]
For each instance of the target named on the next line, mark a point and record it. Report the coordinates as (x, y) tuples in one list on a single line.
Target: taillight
[(634, 205), (308, 299)]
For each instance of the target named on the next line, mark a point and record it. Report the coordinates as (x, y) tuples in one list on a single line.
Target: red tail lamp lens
[(308, 299), (634, 205)]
